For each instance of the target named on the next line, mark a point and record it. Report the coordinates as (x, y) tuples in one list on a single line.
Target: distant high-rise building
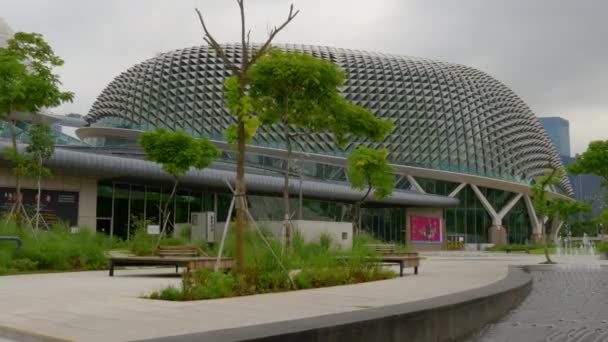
[(587, 188), (559, 132)]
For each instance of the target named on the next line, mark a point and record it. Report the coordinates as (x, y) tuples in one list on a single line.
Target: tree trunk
[(240, 202), (357, 209), (18, 197), (546, 245), (357, 218), (163, 227), (39, 194), (286, 204)]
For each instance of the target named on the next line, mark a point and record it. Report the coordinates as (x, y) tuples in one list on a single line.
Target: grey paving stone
[(567, 303)]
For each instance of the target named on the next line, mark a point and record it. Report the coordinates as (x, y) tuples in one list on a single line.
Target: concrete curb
[(26, 335), (446, 318)]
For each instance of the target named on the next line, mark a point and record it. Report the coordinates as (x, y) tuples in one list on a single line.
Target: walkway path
[(94, 307)]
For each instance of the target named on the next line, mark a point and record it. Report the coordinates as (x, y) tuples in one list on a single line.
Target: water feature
[(576, 251)]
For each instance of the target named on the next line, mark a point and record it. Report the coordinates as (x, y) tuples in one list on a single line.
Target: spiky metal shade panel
[(447, 116)]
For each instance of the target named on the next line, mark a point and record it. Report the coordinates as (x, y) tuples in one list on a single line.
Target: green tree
[(602, 221), (239, 104), (553, 208), (300, 93), (543, 204), (27, 84), (176, 152), (566, 209), (41, 147), (369, 169), (593, 161)]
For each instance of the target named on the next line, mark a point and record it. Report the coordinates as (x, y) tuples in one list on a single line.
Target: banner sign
[(425, 229), (55, 206)]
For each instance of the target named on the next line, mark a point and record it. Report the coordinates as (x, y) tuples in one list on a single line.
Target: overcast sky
[(552, 53)]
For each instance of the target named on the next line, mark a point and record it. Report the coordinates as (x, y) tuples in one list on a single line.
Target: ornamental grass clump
[(305, 265), (56, 249)]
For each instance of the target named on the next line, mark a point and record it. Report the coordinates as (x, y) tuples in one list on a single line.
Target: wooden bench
[(181, 251), (388, 255), (382, 248), (184, 256)]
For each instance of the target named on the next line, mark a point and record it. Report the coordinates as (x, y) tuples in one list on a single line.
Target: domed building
[(458, 132), (465, 148)]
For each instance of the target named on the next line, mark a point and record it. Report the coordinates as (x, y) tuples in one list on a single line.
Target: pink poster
[(425, 229)]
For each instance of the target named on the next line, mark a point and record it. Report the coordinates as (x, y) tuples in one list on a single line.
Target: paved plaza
[(94, 307), (90, 306), (566, 304)]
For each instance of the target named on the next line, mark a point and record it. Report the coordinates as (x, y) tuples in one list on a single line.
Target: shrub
[(603, 247), (23, 265), (168, 293)]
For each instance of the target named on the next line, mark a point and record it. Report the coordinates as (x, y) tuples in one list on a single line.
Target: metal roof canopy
[(450, 176), (111, 167)]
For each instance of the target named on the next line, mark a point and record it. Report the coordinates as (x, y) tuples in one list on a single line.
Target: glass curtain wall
[(386, 224), (119, 204), (124, 205), (469, 222)]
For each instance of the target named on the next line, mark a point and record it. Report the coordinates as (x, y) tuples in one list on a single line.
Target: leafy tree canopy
[(369, 168), (568, 208), (42, 143), (540, 189), (290, 86), (603, 219), (177, 152), (350, 120), (300, 90), (41, 147), (240, 105), (21, 163), (550, 208), (27, 81), (593, 161)]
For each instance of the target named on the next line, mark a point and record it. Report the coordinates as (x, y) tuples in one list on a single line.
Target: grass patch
[(59, 250), (54, 250)]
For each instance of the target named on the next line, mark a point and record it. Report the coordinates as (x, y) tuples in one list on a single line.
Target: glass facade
[(122, 203), (21, 129)]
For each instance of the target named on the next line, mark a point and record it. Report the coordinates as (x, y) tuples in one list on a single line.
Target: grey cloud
[(550, 52)]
